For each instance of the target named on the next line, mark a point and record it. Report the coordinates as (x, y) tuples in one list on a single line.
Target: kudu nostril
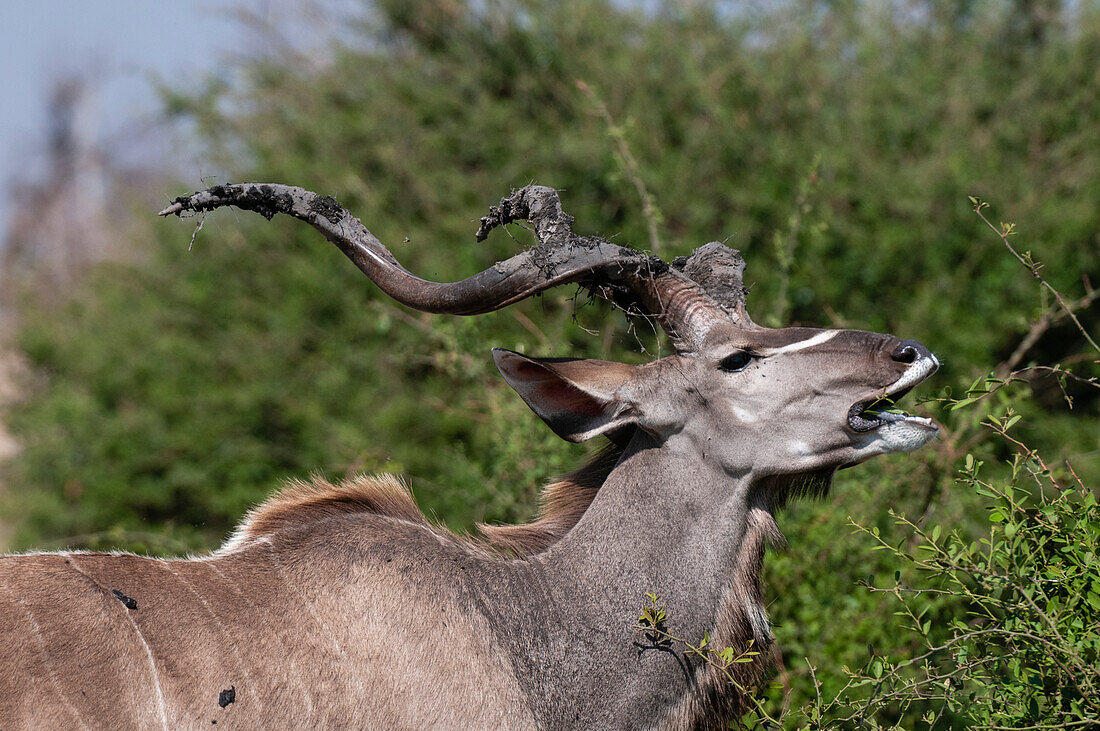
[(910, 351)]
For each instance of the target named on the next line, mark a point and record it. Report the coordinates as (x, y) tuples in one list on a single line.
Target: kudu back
[(341, 605)]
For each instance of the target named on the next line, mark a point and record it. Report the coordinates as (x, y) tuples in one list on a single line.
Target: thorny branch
[(1006, 230)]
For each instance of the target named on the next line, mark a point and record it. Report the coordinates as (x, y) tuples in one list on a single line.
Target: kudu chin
[(341, 605)]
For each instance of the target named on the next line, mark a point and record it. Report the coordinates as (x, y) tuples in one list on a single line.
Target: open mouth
[(865, 416)]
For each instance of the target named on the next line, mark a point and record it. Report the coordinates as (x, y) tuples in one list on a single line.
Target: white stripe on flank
[(325, 631), (818, 339), (42, 649), (278, 638), (148, 652), (221, 627), (309, 608)]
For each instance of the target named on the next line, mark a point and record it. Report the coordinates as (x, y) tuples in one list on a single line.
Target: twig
[(785, 246), (817, 684), (198, 227), (1032, 266), (1038, 328), (1055, 371), (649, 210), (1028, 453), (532, 328), (1074, 473)]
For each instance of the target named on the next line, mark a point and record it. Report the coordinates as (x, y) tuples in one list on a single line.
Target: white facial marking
[(744, 416), (799, 449), (802, 344)]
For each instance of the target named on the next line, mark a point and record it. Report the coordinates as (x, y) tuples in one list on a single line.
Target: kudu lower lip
[(860, 420)]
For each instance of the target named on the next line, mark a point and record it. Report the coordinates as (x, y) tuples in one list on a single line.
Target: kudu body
[(342, 606)]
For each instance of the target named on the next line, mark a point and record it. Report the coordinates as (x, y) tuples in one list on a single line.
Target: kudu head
[(756, 400), (759, 402)]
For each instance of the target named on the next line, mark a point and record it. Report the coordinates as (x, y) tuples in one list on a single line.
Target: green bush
[(1021, 648)]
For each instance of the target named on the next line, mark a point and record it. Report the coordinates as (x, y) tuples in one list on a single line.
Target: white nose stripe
[(818, 339)]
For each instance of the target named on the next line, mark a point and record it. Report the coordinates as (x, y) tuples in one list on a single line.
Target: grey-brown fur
[(341, 605), (313, 576), (304, 623)]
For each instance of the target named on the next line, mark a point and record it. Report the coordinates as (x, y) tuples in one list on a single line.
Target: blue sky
[(120, 43)]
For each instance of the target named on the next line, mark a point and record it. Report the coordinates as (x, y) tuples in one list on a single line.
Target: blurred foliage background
[(835, 143)]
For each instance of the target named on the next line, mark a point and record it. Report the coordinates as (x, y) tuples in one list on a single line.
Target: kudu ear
[(578, 398)]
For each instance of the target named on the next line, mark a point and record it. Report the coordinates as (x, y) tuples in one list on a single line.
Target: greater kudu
[(342, 606)]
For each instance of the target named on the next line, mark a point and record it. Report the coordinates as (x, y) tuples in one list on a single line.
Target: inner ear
[(578, 398)]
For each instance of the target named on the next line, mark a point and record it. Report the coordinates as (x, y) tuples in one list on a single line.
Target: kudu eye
[(735, 362)]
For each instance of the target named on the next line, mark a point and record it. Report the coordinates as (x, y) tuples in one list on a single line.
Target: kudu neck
[(666, 492), (669, 521)]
